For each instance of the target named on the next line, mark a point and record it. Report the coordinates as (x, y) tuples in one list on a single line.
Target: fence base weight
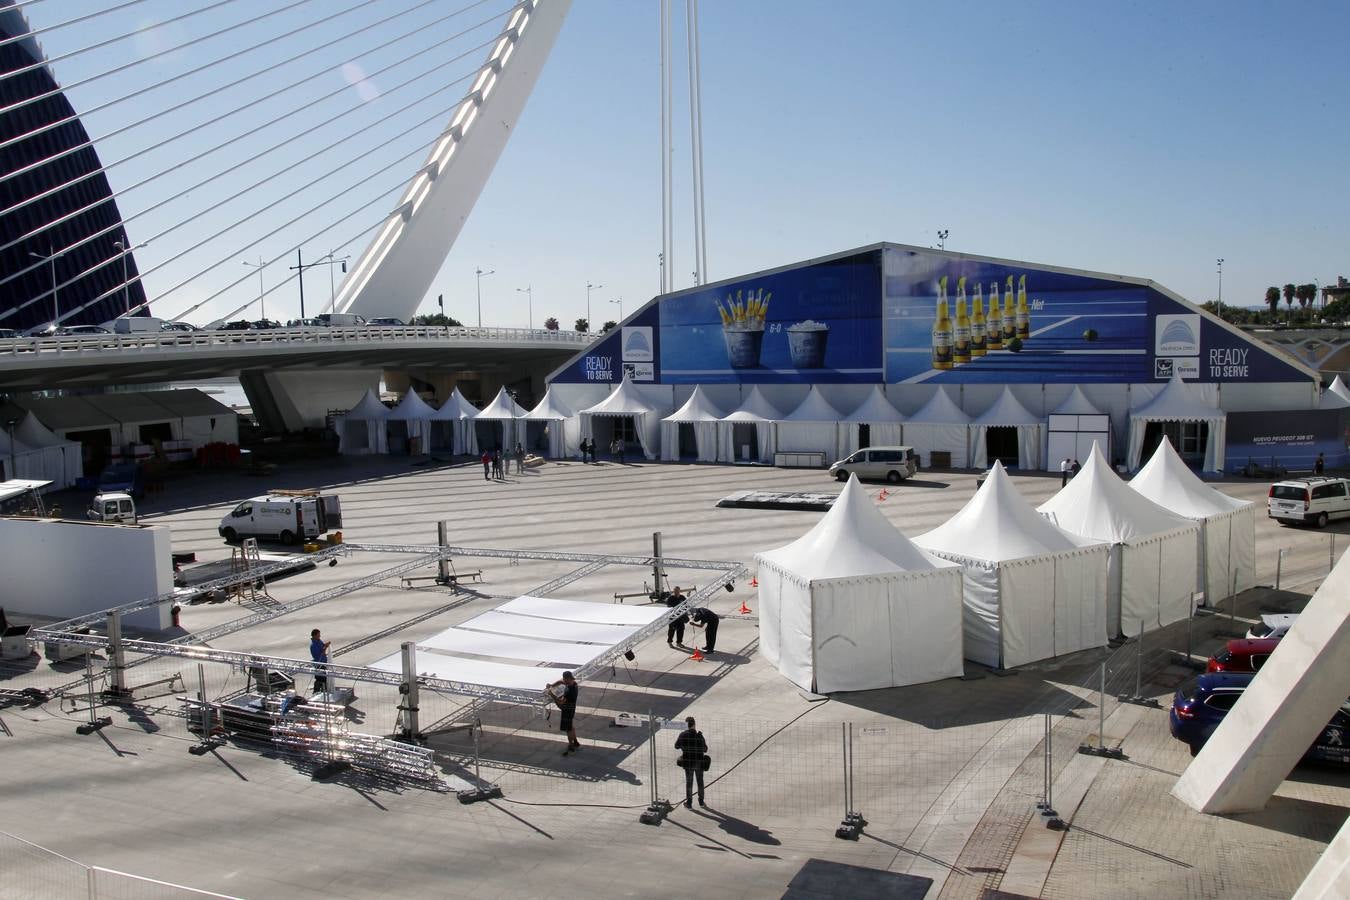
[(851, 828), (474, 795), (1108, 752), (656, 813)]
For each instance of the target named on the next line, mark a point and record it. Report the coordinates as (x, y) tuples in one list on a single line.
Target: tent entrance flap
[(687, 440), (1000, 442), (745, 441), (1188, 438)]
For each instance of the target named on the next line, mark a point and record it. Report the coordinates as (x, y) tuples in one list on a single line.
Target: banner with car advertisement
[(1258, 440)]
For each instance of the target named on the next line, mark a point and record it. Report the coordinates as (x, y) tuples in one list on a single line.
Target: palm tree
[(1289, 292), (582, 325), (551, 324), (1307, 295), (1273, 300)]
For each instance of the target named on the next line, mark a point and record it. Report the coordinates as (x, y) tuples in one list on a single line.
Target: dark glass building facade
[(34, 194)]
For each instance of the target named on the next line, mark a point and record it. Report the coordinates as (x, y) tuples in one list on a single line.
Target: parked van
[(340, 320), (114, 507), (137, 325), (286, 516), (892, 463), (1313, 501)]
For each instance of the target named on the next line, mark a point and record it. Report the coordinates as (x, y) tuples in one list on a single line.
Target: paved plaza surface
[(947, 774)]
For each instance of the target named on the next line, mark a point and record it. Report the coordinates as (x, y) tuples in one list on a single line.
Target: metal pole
[(651, 752), (1101, 711), (1190, 619), (300, 276), (411, 722), (201, 701), (89, 676), (126, 288), (1049, 765), (1331, 552), (443, 564), (116, 656), (1139, 664), (656, 564), (477, 746), (1279, 564), (843, 734), (56, 307)]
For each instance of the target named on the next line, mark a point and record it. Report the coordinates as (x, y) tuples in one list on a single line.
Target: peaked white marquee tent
[(416, 416), (20, 460), (940, 426), (853, 605), (1154, 552), (1340, 389), (452, 425), (1008, 412), (626, 401), (562, 425), (361, 431), (1227, 525), (1177, 403), (702, 416), (62, 460), (1031, 590), (883, 423), (503, 411), (754, 412), (812, 426)]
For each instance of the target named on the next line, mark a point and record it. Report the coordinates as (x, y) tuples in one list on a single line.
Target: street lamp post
[(126, 285), (262, 309), (9, 426), (528, 291), (1221, 287), (332, 288), (590, 287), (51, 257), (942, 238), (480, 273), (620, 302)]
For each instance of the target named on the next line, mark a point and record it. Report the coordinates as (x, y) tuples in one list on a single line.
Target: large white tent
[(415, 415), (1176, 403), (883, 421), (1227, 525), (452, 425), (1031, 589), (812, 426), (701, 415), (495, 423), (1332, 400), (853, 605), (562, 425), (939, 426), (626, 401), (22, 461), (1008, 412), (756, 414), (1154, 552), (361, 430), (62, 460)]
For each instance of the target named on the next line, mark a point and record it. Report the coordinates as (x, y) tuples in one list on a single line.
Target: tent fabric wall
[(361, 431), (940, 425), (1006, 412), (1151, 593), (505, 411), (812, 426), (460, 413), (32, 463), (564, 427), (699, 412), (1229, 564), (883, 421), (1177, 403), (625, 401), (413, 410), (754, 410), (62, 460)]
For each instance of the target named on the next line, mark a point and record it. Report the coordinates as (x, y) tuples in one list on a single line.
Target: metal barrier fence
[(31, 872)]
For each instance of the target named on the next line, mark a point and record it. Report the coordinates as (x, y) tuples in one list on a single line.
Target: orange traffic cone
[(754, 582), (698, 655), (883, 495), (744, 610)]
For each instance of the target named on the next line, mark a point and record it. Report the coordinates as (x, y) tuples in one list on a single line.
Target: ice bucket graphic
[(743, 346), (806, 341)]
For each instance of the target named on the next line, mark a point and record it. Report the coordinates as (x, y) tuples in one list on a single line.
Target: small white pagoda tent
[(940, 426), (413, 416), (700, 415), (62, 460), (18, 460), (883, 423), (625, 402), (452, 425), (1177, 403), (1008, 412), (495, 423), (1340, 389), (1031, 590), (1332, 400), (561, 426), (751, 424), (361, 430), (1154, 552), (1227, 525), (853, 605), (812, 426)]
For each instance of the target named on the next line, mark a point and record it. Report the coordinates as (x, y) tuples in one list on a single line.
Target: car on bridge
[(267, 323), (76, 330), (172, 325), (236, 325), (387, 322), (7, 333)]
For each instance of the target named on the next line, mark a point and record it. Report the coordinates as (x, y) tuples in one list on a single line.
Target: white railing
[(285, 337), (28, 870)]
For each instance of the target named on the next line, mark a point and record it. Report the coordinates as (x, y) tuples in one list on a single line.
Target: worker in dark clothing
[(566, 699), (693, 759), (675, 630), (701, 617), (318, 650)]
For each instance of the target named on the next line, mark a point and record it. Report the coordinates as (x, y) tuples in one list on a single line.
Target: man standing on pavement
[(693, 759), (702, 617), (318, 650), (566, 699), (675, 629), (1063, 471), (487, 464)]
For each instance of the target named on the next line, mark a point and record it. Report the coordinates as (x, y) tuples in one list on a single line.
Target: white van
[(340, 320), (283, 516), (892, 463), (115, 507), (137, 325), (1314, 501)]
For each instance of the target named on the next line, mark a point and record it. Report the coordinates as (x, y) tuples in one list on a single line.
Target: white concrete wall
[(304, 398), (1330, 878), (67, 569)]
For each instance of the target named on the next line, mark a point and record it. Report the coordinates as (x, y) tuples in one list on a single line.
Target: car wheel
[(841, 475), (1322, 520), (288, 537), (893, 477), (230, 535)]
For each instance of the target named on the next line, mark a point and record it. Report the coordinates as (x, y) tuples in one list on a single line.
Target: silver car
[(894, 464)]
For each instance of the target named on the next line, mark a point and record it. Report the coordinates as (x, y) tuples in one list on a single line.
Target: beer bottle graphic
[(1009, 313), (961, 332), (977, 324), (942, 330), (994, 330), (1023, 313)]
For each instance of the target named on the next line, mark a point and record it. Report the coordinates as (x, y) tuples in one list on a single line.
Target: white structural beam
[(1280, 714), (395, 271), (1330, 878)]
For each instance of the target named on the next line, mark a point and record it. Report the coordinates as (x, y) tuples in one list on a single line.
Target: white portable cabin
[(408, 428), (700, 416), (884, 424), (1227, 525), (941, 426), (452, 425), (852, 605), (755, 416), (1031, 589), (813, 426), (495, 424), (1073, 427), (361, 430), (1177, 403), (560, 427), (1154, 552), (625, 402)]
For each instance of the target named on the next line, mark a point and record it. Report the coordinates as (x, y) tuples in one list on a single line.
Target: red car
[(1243, 655)]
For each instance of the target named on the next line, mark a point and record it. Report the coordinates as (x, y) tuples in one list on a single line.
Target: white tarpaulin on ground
[(456, 414), (812, 426), (504, 412), (1008, 412), (1176, 403), (940, 426), (700, 414), (1032, 590), (62, 460), (623, 402), (414, 411), (1154, 552), (754, 412), (361, 429), (1227, 525), (883, 423), (564, 427), (853, 605)]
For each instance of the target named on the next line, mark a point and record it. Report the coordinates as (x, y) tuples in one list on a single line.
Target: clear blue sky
[(1142, 139)]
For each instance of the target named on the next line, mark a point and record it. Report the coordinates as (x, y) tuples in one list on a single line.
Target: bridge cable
[(33, 32)]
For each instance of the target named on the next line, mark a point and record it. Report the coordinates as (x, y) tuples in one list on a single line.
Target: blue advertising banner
[(1293, 438), (818, 323), (630, 349)]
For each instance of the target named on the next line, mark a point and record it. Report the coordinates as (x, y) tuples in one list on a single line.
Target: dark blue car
[(127, 477), (1202, 702)]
